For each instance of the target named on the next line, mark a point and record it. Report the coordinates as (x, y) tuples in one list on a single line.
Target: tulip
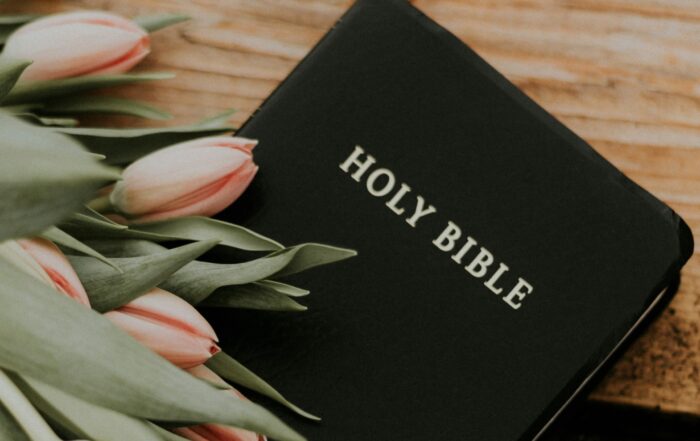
[(200, 177), (216, 432), (169, 326), (78, 43), (42, 259)]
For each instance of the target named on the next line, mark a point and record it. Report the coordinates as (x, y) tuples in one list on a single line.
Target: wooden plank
[(624, 74)]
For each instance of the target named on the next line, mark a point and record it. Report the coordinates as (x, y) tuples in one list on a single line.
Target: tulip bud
[(200, 177), (169, 326), (78, 43), (216, 432), (42, 259)]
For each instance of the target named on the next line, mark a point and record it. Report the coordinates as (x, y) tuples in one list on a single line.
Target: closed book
[(501, 260)]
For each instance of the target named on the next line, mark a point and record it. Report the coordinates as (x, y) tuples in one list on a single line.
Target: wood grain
[(623, 74)]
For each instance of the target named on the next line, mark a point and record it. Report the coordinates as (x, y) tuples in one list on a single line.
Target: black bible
[(501, 260)]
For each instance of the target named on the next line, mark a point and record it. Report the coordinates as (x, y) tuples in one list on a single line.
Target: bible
[(501, 260)]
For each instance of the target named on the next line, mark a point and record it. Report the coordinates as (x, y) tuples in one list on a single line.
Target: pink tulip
[(55, 265), (200, 177), (169, 326), (78, 43), (216, 432)]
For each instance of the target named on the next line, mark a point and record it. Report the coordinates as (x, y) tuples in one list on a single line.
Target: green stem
[(22, 410)]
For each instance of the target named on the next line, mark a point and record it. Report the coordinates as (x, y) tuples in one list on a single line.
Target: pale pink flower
[(200, 177), (216, 432), (169, 326), (78, 43), (56, 267)]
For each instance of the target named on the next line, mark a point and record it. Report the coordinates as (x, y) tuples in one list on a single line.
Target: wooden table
[(623, 74)]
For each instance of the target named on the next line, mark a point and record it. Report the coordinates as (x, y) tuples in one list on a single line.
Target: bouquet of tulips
[(103, 241)]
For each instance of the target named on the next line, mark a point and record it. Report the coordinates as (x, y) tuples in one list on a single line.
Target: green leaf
[(122, 146), (89, 212), (79, 351), (23, 412), (44, 177), (251, 296), (103, 104), (283, 288), (47, 121), (38, 91), (186, 228), (227, 367), (88, 219), (9, 428), (109, 289), (81, 418), (18, 19), (197, 280), (64, 239), (203, 228), (10, 71), (152, 23), (126, 248), (220, 119), (310, 256)]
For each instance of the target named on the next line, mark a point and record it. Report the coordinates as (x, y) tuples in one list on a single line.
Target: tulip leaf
[(85, 225), (126, 248), (91, 228), (40, 91), (10, 71), (251, 296), (9, 428), (152, 23), (21, 409), (89, 212), (80, 418), (185, 228), (103, 104), (220, 119), (227, 367), (82, 353), (202, 228), (197, 280), (44, 177), (47, 121), (64, 239), (122, 146), (18, 19), (283, 288), (109, 289)]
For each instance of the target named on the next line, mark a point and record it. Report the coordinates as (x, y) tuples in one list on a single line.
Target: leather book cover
[(501, 259)]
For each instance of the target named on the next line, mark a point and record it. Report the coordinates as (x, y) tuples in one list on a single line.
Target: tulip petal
[(127, 61), (167, 175), (216, 202), (166, 308), (189, 434), (70, 49), (57, 267), (181, 348), (216, 432)]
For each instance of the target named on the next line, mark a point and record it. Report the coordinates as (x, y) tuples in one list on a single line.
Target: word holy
[(381, 183)]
